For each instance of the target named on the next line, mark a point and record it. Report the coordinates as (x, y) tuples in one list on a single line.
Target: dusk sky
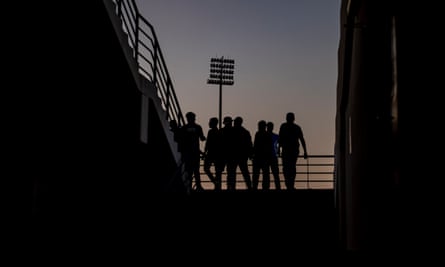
[(285, 54)]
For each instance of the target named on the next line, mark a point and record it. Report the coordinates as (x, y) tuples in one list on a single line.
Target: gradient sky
[(285, 54)]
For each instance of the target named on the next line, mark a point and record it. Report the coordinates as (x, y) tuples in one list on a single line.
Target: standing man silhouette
[(262, 154), (289, 138), (212, 154), (191, 134), (242, 148), (274, 159), (225, 138)]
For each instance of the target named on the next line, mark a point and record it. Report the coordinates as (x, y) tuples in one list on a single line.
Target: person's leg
[(255, 174), (286, 172), (219, 168), (188, 171), (197, 173), (231, 175), (292, 171), (207, 165), (246, 173), (266, 176), (275, 172)]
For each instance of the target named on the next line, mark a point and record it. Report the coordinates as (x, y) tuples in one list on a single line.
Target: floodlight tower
[(221, 72)]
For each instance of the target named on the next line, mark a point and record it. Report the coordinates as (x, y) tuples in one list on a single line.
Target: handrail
[(148, 55), (318, 174)]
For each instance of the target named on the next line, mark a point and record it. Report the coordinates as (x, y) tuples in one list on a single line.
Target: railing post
[(307, 173), (136, 39), (119, 8), (167, 105), (155, 61)]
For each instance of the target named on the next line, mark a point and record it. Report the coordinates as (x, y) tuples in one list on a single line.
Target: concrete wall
[(384, 188)]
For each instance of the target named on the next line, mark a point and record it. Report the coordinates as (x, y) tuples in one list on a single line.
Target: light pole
[(221, 72)]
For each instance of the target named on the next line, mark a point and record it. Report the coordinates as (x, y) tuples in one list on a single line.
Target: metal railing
[(315, 172), (148, 55)]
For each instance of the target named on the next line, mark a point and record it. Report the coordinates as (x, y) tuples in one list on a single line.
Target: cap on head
[(227, 119)]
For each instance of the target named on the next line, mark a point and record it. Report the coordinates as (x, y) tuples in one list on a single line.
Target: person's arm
[(206, 146), (201, 134), (303, 144), (279, 142)]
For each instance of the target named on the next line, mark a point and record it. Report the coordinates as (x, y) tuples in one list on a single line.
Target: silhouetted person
[(226, 150), (191, 134), (262, 153), (274, 159), (241, 150), (212, 155), (289, 138)]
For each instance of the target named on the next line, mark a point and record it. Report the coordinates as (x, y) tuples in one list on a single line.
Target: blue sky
[(285, 54)]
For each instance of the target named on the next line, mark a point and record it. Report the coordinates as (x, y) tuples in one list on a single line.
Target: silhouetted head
[(227, 121), (190, 116), (262, 125), (269, 126), (238, 121), (290, 117), (173, 124), (213, 122)]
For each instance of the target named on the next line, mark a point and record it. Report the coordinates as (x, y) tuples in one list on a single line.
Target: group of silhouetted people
[(231, 146)]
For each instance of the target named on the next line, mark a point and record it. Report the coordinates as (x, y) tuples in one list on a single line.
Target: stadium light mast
[(221, 72)]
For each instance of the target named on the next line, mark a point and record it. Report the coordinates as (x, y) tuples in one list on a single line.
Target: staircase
[(146, 62)]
